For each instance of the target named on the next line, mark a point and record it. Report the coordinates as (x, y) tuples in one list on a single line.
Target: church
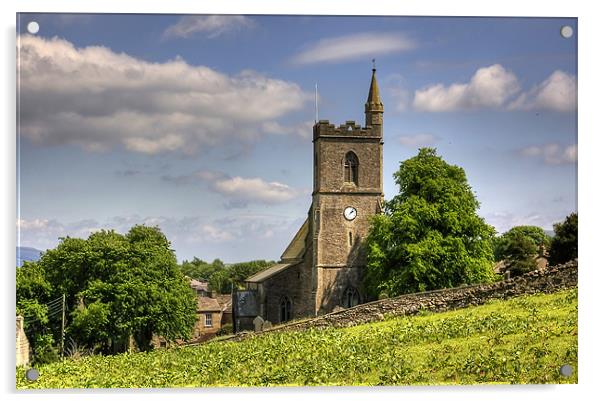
[(322, 267)]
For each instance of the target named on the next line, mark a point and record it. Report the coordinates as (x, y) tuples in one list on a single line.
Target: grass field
[(523, 340)]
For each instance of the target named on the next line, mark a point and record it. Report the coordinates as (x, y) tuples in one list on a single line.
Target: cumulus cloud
[(417, 140), (354, 46), (552, 154), (495, 87), (98, 100), (239, 191), (558, 92), (211, 26), (489, 87)]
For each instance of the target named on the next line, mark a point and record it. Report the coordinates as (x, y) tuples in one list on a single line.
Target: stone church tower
[(323, 265)]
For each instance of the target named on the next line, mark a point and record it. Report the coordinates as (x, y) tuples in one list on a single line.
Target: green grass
[(523, 340)]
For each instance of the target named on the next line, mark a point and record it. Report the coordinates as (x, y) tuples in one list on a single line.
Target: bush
[(225, 330)]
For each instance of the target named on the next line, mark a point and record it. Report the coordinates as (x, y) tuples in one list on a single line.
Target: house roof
[(199, 285), (296, 248), (225, 302), (269, 272), (207, 304)]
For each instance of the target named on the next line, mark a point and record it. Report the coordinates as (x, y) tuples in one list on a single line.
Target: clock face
[(350, 213)]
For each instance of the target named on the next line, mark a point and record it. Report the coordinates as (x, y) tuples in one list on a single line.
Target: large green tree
[(563, 247), (534, 234), (116, 286), (430, 235)]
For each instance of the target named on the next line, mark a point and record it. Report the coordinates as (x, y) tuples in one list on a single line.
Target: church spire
[(374, 106)]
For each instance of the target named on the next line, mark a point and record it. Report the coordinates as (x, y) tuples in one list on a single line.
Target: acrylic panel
[(270, 200)]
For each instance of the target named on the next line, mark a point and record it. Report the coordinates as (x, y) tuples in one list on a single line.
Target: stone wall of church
[(331, 161), (294, 283), (332, 284)]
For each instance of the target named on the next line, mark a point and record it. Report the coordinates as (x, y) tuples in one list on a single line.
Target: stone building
[(323, 265), (22, 350)]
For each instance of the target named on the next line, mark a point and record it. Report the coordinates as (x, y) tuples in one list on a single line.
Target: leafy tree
[(116, 286), (563, 247), (430, 235), (36, 307), (534, 234), (519, 252), (222, 277)]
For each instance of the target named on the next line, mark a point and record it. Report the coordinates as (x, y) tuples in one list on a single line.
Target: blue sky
[(202, 124)]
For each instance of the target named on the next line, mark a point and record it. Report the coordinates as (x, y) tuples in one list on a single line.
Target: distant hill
[(549, 232), (27, 254)]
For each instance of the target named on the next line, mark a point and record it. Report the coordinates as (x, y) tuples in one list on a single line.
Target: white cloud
[(24, 224), (489, 87), (417, 140), (191, 235), (98, 100), (303, 130), (255, 189), (558, 92), (354, 46), (240, 191), (552, 154), (211, 26)]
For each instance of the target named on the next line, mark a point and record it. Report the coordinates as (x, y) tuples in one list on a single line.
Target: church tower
[(323, 265), (347, 192)]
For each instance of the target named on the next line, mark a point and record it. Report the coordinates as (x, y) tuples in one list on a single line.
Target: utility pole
[(63, 330)]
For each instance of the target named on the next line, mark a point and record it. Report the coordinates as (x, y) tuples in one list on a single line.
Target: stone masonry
[(541, 281), (322, 268), (22, 351)]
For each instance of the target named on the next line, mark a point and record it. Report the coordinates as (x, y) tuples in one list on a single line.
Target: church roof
[(296, 248), (374, 94), (269, 272)]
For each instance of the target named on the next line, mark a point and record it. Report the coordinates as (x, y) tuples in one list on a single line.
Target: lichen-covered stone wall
[(547, 281)]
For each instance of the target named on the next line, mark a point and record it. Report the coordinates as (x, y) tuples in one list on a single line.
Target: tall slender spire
[(374, 106), (374, 94)]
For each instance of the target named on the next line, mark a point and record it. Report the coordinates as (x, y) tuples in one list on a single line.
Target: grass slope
[(523, 340)]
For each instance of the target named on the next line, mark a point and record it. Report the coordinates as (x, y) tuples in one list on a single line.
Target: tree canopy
[(222, 277), (116, 286), (533, 234), (430, 235), (563, 247)]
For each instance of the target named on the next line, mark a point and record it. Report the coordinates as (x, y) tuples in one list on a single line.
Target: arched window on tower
[(351, 297), (286, 309), (351, 168)]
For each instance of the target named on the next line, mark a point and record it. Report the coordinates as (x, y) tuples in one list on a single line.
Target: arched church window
[(286, 309), (351, 167), (351, 297)]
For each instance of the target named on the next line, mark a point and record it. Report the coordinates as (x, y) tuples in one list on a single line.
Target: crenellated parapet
[(349, 129)]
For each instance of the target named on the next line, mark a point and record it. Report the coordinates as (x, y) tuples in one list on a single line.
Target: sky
[(202, 124)]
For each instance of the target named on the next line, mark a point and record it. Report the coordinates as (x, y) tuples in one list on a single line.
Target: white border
[(589, 143)]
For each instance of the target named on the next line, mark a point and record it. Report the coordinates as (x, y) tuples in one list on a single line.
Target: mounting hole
[(566, 370), (33, 27), (32, 374), (566, 31)]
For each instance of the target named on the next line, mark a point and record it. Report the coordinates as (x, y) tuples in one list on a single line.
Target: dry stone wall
[(546, 281)]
